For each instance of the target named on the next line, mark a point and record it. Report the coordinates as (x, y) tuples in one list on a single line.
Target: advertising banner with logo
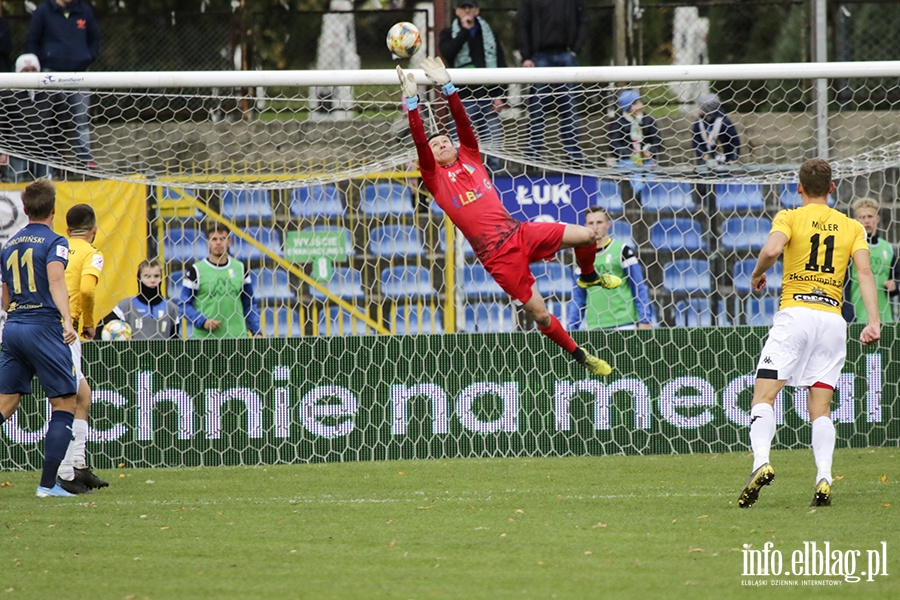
[(562, 198)]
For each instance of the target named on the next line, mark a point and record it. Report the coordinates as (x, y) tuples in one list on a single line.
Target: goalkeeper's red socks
[(555, 332), (585, 256)]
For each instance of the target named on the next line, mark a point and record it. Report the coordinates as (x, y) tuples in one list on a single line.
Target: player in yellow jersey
[(807, 344), (82, 275)]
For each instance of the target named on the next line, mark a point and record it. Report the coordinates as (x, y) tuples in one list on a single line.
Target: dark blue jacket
[(729, 141), (64, 39)]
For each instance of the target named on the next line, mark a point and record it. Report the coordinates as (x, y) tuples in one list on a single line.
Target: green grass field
[(611, 527)]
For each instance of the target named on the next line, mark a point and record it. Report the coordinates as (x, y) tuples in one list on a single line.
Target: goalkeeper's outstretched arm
[(436, 72), (416, 127)]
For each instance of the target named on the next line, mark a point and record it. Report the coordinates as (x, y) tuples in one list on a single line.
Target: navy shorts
[(36, 348)]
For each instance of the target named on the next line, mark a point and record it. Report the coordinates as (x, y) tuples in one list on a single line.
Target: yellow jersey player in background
[(82, 276), (807, 344)]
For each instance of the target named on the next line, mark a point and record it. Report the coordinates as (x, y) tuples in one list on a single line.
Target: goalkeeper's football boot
[(72, 486), (597, 366), (604, 280), (758, 478), (822, 497), (90, 481), (55, 492)]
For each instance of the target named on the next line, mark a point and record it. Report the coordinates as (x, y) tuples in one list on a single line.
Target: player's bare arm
[(872, 331), (56, 275), (86, 293), (4, 299), (768, 256)]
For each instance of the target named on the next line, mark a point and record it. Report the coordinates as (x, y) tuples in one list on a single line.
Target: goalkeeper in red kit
[(505, 246)]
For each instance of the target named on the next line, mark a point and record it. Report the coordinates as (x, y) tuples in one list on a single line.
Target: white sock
[(75, 453), (823, 437), (762, 432)]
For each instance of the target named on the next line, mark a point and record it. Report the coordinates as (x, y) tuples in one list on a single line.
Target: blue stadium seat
[(338, 321), (270, 238), (760, 310), (412, 320), (553, 279), (489, 317), (609, 196), (436, 210), (467, 247), (385, 199), (677, 234), (406, 282), (744, 269), (621, 231), (745, 233), (787, 192), (667, 196), (687, 276), (477, 283), (693, 312), (271, 285), (281, 321), (246, 204), (178, 196), (317, 201), (346, 283), (351, 250), (184, 244), (731, 197), (396, 240)]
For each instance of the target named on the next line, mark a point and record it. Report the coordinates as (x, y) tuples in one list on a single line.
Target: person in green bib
[(216, 293), (625, 307), (884, 261)]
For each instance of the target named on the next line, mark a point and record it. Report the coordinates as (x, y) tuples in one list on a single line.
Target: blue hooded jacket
[(64, 39)]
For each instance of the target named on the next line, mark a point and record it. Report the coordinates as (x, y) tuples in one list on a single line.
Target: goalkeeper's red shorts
[(531, 242)]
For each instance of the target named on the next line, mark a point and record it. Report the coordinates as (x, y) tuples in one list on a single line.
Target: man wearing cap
[(713, 136), (468, 43), (551, 33)]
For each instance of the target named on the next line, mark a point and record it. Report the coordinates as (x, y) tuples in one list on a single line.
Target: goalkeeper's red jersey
[(463, 189)]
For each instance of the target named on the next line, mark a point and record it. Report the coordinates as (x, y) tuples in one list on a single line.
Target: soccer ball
[(404, 39), (115, 331)]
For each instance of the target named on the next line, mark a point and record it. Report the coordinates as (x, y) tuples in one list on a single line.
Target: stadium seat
[(396, 240), (413, 320), (271, 285), (677, 234), (345, 283), (184, 244), (338, 321), (489, 317), (609, 196), (477, 283), (246, 204), (744, 269), (621, 231), (436, 210), (667, 196), (553, 280), (351, 249), (267, 236), (406, 282), (760, 310), (731, 197), (687, 276), (281, 321), (317, 201), (386, 199), (745, 233), (176, 202)]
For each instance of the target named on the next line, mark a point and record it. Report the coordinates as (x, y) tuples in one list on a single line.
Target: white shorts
[(75, 347), (805, 346)]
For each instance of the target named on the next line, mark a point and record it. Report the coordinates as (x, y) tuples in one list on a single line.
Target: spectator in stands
[(150, 315), (633, 136), (618, 308), (65, 36), (713, 136), (551, 33), (469, 42), (885, 266), (27, 121), (217, 294)]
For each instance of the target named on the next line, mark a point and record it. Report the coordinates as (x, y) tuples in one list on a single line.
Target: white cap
[(27, 60)]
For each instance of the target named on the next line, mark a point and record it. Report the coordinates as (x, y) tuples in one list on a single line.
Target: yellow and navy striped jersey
[(821, 242)]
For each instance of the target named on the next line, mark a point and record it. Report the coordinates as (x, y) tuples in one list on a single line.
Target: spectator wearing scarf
[(713, 136)]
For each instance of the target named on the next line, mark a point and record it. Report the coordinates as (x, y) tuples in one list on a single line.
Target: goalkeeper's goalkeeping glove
[(437, 74), (409, 88)]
